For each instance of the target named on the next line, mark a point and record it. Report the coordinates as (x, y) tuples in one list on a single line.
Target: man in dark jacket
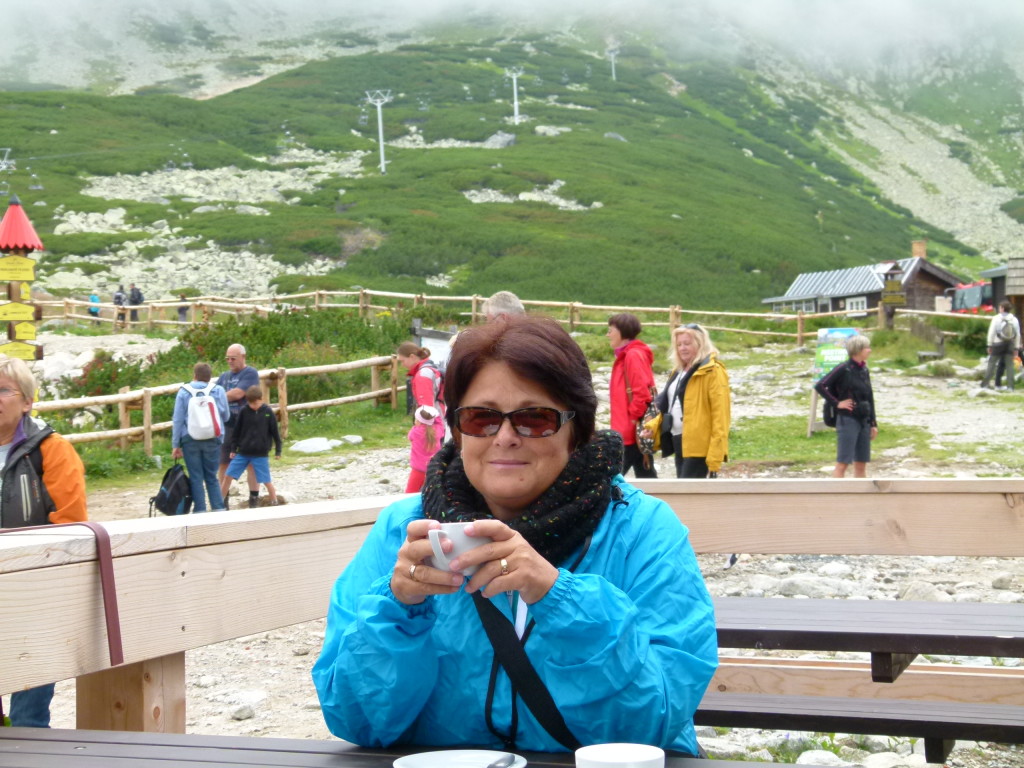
[(134, 300)]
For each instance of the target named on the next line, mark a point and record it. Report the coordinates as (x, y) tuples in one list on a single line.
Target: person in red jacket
[(630, 389)]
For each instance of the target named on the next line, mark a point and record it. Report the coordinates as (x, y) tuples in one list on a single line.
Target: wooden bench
[(188, 582), (862, 517)]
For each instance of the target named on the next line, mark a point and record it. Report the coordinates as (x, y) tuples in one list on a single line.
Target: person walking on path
[(202, 455), (120, 300), (94, 311), (235, 381), (254, 433), (42, 481), (135, 299), (629, 390), (183, 308), (1003, 342), (848, 388)]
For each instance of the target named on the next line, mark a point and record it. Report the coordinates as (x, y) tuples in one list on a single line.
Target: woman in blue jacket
[(599, 580)]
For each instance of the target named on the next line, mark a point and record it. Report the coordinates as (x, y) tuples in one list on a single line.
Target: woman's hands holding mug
[(506, 563)]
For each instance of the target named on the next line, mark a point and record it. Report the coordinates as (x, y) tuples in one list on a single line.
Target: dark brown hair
[(202, 372), (253, 393), (407, 348), (628, 325), (536, 348)]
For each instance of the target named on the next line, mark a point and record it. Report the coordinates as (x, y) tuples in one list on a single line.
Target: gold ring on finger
[(412, 571), (504, 567)]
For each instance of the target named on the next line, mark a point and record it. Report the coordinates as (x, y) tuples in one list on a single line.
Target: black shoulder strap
[(510, 654)]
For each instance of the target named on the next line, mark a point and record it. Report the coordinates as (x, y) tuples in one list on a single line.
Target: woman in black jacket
[(848, 388)]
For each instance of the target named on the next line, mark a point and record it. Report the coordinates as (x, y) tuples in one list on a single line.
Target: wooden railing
[(128, 400), (187, 582), (570, 313)]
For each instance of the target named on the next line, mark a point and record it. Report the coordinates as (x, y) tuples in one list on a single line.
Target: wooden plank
[(807, 677), (145, 696), (850, 517), (22, 550), (895, 626), (169, 601), (896, 717)]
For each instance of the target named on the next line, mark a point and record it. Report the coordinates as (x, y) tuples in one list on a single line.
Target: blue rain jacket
[(626, 644)]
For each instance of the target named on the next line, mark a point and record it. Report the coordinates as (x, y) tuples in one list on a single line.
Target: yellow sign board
[(17, 268), (21, 332), (21, 350), (893, 286), (15, 311), (895, 299)]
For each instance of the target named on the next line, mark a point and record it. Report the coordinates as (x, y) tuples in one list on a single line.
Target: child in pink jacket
[(425, 438)]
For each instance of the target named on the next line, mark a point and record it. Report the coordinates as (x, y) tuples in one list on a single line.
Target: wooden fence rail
[(142, 400), (570, 313)]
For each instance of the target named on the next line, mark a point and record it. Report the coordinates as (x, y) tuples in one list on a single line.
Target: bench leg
[(146, 696), (886, 667), (937, 750)]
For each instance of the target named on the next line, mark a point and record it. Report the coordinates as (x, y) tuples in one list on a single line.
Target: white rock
[(923, 590), (352, 439), (315, 445)]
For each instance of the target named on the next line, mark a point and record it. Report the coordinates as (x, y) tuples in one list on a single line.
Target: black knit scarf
[(557, 523)]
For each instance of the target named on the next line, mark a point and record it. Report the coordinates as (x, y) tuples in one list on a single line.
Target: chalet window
[(856, 303)]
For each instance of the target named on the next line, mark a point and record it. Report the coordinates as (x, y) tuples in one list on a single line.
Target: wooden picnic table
[(56, 748), (892, 631)]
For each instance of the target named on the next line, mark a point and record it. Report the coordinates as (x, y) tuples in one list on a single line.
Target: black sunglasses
[(527, 422)]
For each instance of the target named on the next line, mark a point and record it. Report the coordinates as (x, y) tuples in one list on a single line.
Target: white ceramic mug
[(461, 543), (620, 755)]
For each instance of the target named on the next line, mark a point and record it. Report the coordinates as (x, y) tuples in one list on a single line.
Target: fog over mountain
[(75, 42)]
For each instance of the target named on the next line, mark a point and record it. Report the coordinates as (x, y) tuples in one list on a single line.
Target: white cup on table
[(461, 543), (620, 755)]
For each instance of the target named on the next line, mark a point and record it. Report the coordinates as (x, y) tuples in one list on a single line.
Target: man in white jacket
[(1003, 342)]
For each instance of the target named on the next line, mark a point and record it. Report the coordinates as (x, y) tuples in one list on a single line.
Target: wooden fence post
[(673, 317), (474, 309), (800, 328), (282, 401), (374, 380), (67, 310), (574, 315), (147, 420), (316, 300), (362, 303), (149, 316), (124, 420), (394, 382)]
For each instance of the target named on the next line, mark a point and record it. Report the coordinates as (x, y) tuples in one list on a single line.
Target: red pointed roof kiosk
[(17, 239), (16, 231)]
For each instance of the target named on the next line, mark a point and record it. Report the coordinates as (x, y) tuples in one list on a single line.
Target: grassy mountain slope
[(717, 197)]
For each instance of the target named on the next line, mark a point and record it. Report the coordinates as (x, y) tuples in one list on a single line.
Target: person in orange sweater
[(42, 481)]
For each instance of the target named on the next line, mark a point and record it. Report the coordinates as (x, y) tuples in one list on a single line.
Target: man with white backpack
[(1003, 342), (200, 412)]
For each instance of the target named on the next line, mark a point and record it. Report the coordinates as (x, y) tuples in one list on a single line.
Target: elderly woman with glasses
[(42, 481), (695, 401), (598, 581)]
